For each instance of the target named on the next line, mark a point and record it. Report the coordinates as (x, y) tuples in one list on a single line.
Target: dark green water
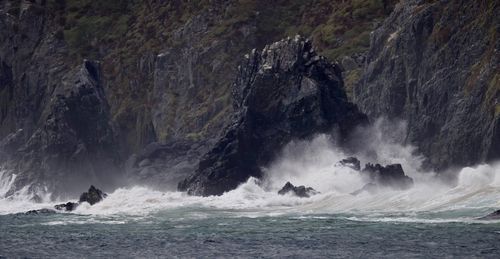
[(168, 234)]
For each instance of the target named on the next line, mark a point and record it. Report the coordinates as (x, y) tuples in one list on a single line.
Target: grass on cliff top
[(337, 28)]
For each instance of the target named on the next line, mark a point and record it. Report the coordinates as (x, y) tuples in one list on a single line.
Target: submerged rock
[(300, 191), (40, 211), (350, 162), (284, 92), (492, 216)]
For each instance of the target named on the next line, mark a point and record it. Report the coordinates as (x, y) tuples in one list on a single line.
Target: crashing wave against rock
[(284, 92)]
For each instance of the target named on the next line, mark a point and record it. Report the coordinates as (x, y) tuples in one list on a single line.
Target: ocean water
[(434, 219)]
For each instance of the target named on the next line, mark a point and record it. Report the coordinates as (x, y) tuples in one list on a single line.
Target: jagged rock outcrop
[(299, 191), (283, 92), (388, 176), (92, 196), (74, 146), (391, 176), (435, 64)]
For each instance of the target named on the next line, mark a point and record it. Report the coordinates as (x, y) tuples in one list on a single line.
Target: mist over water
[(313, 163)]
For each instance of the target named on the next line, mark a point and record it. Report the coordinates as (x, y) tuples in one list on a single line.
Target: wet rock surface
[(492, 216), (92, 196), (68, 206), (284, 92), (299, 191), (388, 176)]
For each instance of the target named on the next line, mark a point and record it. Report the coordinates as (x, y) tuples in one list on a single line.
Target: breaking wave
[(475, 192)]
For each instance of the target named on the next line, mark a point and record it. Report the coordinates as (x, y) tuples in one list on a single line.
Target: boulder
[(369, 187), (300, 191), (350, 162), (93, 196), (492, 216), (282, 93)]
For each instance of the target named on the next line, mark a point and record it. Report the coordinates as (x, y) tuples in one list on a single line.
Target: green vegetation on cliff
[(127, 35)]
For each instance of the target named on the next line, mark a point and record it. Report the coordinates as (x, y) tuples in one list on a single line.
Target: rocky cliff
[(159, 95), (165, 73), (284, 92), (435, 65), (74, 145)]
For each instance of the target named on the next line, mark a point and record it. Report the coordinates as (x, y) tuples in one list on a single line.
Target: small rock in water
[(93, 196), (351, 162), (492, 216), (69, 206), (40, 211), (300, 191)]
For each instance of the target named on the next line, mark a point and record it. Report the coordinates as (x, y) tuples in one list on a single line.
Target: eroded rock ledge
[(284, 92)]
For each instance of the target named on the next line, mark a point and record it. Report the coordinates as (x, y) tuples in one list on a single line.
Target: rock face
[(284, 92), (75, 144), (435, 64), (300, 191)]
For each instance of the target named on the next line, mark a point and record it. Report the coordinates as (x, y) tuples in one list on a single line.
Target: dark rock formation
[(39, 212), (284, 92), (350, 162), (92, 196), (300, 191), (68, 206), (492, 216), (388, 176), (435, 64)]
